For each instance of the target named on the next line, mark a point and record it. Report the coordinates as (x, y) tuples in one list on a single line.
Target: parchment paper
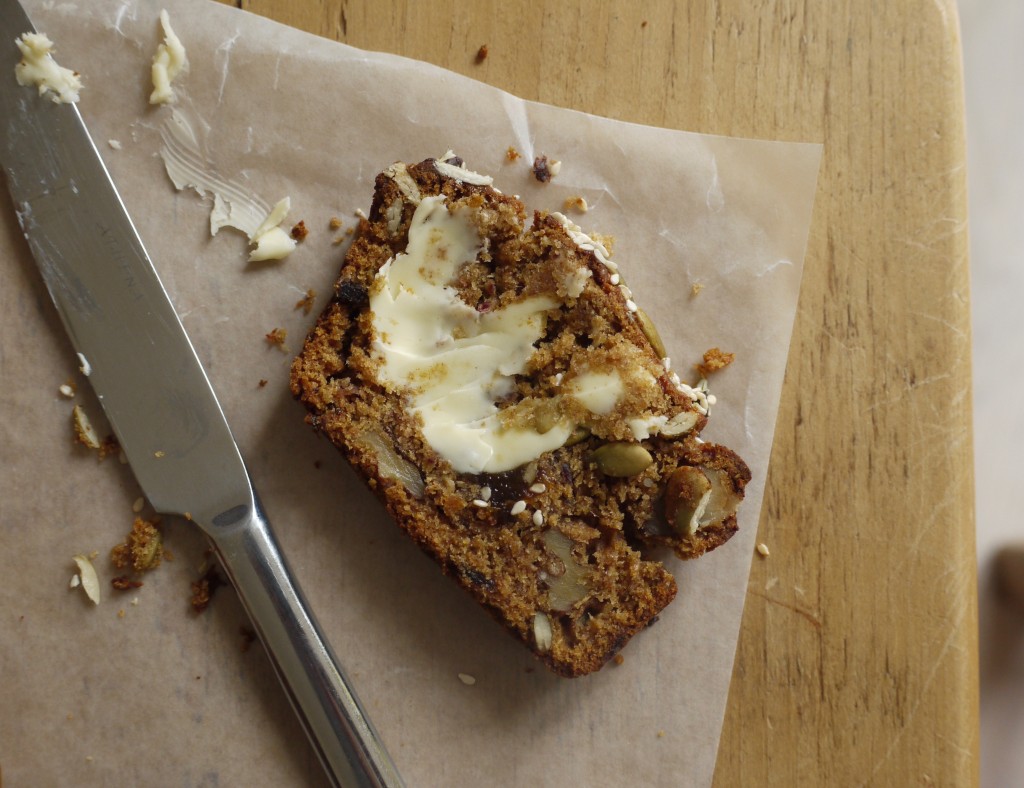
[(160, 696)]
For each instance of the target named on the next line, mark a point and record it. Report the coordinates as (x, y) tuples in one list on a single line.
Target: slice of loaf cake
[(501, 393)]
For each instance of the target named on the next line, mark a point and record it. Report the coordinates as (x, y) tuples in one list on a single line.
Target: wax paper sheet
[(140, 690)]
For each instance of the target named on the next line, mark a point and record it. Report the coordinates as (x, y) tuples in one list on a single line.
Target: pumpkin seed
[(621, 459)]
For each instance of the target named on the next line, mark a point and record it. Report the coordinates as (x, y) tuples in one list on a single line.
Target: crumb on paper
[(644, 23), (618, 659), (138, 504), (696, 288), (204, 588), (84, 366), (299, 231), (467, 679), (661, 734), (481, 53), (159, 454), (248, 637), (115, 144), (544, 169), (512, 154), (85, 433), (577, 203), (89, 580), (762, 549), (67, 390), (714, 360), (135, 601), (120, 613), (37, 68), (306, 302), (263, 383), (276, 337), (142, 549), (125, 583), (335, 223), (169, 61)]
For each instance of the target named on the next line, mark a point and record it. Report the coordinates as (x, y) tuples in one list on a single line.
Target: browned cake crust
[(551, 547)]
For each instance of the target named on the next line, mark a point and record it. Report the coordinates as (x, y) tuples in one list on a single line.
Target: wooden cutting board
[(857, 661)]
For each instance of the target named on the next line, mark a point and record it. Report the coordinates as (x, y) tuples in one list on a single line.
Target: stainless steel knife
[(159, 401)]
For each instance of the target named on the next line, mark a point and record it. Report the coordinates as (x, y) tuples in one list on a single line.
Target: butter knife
[(159, 401)]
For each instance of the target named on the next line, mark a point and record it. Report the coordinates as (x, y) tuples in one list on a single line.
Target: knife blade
[(159, 401)]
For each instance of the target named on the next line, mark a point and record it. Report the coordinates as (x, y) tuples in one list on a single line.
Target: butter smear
[(454, 361), (168, 62), (38, 68)]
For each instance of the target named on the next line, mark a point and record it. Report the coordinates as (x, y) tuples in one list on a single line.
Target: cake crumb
[(125, 583), (696, 288), (512, 154), (335, 223), (85, 433), (248, 637), (661, 734), (115, 144), (159, 454), (300, 231), (306, 302), (204, 588), (481, 53), (276, 337), (762, 549), (542, 169), (120, 613), (466, 679), (618, 659), (263, 383), (714, 360), (142, 549), (577, 203)]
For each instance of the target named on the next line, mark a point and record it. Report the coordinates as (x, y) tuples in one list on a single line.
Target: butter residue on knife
[(38, 68), (189, 166), (169, 61)]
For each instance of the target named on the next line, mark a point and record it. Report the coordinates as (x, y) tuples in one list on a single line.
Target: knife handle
[(345, 740)]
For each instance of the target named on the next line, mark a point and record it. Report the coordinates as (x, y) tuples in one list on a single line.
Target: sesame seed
[(558, 379), (538, 517), (666, 363), (648, 483), (519, 507), (615, 279), (539, 487), (630, 305), (763, 549), (626, 291), (67, 391), (485, 493), (712, 399), (481, 504), (466, 679), (137, 506)]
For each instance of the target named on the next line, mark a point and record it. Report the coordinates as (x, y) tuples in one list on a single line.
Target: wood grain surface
[(857, 659)]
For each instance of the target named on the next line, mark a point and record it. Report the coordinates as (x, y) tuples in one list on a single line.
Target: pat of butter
[(598, 392), (38, 68), (453, 361), (169, 61)]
